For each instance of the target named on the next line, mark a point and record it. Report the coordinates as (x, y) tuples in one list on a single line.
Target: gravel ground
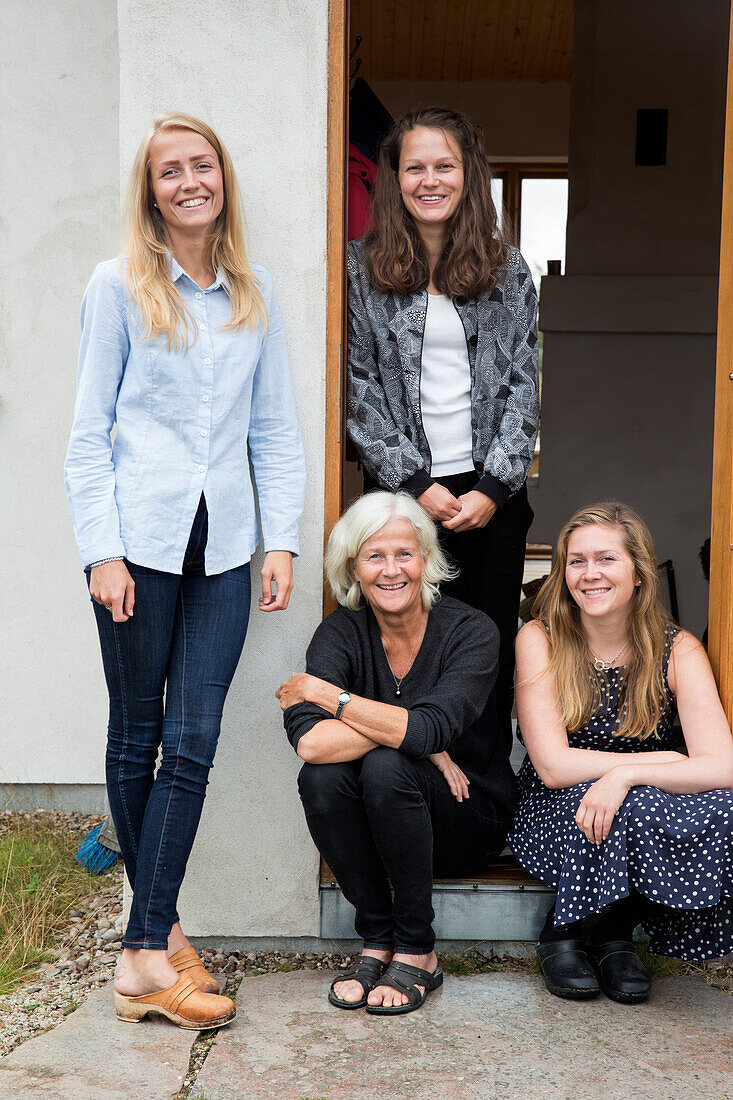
[(89, 950)]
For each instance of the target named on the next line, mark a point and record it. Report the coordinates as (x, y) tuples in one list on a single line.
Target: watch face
[(344, 697)]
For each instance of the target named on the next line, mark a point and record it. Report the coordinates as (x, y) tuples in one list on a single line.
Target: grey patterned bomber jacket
[(385, 333)]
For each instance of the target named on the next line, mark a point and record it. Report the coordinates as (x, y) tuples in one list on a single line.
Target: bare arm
[(333, 742), (555, 761), (364, 723), (709, 765)]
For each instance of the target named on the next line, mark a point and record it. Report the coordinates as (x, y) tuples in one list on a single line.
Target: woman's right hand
[(439, 502), (452, 774), (112, 586)]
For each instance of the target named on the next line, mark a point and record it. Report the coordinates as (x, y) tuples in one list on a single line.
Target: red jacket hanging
[(362, 177)]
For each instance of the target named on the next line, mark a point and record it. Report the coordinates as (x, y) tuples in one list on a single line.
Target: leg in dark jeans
[(392, 819), (186, 636)]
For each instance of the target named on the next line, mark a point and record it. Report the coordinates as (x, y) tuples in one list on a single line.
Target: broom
[(99, 850)]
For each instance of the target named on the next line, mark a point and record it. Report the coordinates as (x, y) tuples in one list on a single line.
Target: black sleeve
[(468, 668), (332, 656)]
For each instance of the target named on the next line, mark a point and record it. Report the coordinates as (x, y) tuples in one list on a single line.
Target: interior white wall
[(58, 135), (520, 119), (628, 408), (257, 73)]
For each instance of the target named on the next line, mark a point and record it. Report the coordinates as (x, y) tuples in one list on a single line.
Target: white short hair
[(362, 520)]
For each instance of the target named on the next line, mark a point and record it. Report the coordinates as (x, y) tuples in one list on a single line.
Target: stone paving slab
[(91, 1055), (485, 1037)]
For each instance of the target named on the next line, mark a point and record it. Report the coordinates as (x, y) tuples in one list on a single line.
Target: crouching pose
[(610, 814), (406, 772)]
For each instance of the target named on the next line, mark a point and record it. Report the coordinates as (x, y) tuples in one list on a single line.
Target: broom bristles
[(92, 853)]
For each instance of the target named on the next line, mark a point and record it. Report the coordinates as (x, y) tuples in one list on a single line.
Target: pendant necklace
[(398, 683), (604, 666)]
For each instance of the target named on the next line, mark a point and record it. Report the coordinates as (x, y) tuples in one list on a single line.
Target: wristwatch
[(344, 698)]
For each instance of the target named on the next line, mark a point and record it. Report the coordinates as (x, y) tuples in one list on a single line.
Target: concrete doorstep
[(485, 1037)]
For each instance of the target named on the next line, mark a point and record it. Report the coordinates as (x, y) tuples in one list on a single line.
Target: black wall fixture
[(651, 137)]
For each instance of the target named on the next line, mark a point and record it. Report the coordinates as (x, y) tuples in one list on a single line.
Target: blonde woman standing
[(183, 354), (628, 825)]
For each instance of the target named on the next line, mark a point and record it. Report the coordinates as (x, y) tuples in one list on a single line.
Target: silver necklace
[(603, 666), (398, 683)]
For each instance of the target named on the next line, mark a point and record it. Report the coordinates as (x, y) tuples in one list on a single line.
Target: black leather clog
[(567, 970), (622, 974)]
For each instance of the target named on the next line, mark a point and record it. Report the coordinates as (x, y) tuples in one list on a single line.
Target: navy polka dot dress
[(676, 850)]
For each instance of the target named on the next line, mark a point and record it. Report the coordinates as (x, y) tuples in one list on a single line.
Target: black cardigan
[(447, 692)]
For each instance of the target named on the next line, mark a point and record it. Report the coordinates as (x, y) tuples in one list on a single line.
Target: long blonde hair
[(643, 694), (147, 246)]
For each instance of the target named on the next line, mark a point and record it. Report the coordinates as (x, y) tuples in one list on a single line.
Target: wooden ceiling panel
[(463, 39)]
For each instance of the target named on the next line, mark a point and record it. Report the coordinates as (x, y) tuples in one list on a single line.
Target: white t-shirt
[(445, 389)]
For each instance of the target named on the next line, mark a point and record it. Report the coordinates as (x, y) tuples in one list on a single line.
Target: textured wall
[(628, 406), (58, 134), (257, 72)]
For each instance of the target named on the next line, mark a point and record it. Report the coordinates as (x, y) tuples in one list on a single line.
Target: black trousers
[(491, 561), (391, 819)]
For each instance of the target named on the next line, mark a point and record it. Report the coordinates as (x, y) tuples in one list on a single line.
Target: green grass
[(39, 884)]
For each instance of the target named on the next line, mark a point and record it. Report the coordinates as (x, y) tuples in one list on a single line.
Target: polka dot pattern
[(676, 850)]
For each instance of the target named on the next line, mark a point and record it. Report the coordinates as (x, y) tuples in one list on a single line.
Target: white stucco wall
[(257, 73), (58, 134), (82, 80)]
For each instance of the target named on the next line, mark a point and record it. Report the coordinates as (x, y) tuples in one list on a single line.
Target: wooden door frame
[(337, 123), (720, 634), (720, 629), (337, 115)]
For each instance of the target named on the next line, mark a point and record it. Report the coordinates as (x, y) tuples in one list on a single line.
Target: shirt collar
[(177, 272)]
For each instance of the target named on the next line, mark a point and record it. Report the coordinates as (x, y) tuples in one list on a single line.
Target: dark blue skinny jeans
[(168, 670)]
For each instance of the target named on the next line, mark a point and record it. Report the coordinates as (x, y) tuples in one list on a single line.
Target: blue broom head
[(92, 855)]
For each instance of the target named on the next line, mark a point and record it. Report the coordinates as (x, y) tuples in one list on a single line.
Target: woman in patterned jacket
[(442, 363)]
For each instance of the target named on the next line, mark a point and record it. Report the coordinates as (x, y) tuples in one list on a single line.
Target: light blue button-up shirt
[(186, 422)]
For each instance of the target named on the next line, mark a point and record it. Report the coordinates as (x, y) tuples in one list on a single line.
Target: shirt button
[(199, 294), (203, 328), (204, 432), (205, 397), (207, 361), (201, 469)]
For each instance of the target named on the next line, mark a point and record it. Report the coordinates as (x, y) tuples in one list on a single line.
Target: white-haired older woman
[(395, 678)]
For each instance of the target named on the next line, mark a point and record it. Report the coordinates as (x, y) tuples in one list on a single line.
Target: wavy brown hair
[(147, 246), (643, 694), (473, 252)]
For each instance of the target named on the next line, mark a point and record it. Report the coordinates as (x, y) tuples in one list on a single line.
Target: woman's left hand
[(277, 568), (452, 774), (300, 688), (600, 804), (476, 511)]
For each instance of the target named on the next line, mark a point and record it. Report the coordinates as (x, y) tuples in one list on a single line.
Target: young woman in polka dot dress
[(624, 826)]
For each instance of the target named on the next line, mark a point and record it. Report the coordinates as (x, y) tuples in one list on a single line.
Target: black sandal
[(366, 971), (405, 978)]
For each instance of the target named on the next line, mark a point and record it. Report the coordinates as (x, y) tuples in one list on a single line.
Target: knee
[(322, 786), (385, 772)]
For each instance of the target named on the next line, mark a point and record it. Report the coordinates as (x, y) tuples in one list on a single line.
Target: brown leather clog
[(186, 961), (183, 1003)]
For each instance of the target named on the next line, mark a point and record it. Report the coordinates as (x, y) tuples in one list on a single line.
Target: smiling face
[(599, 571), (389, 567), (430, 175), (187, 182)]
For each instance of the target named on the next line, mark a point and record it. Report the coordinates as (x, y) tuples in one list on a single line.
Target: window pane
[(497, 194), (544, 221)]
